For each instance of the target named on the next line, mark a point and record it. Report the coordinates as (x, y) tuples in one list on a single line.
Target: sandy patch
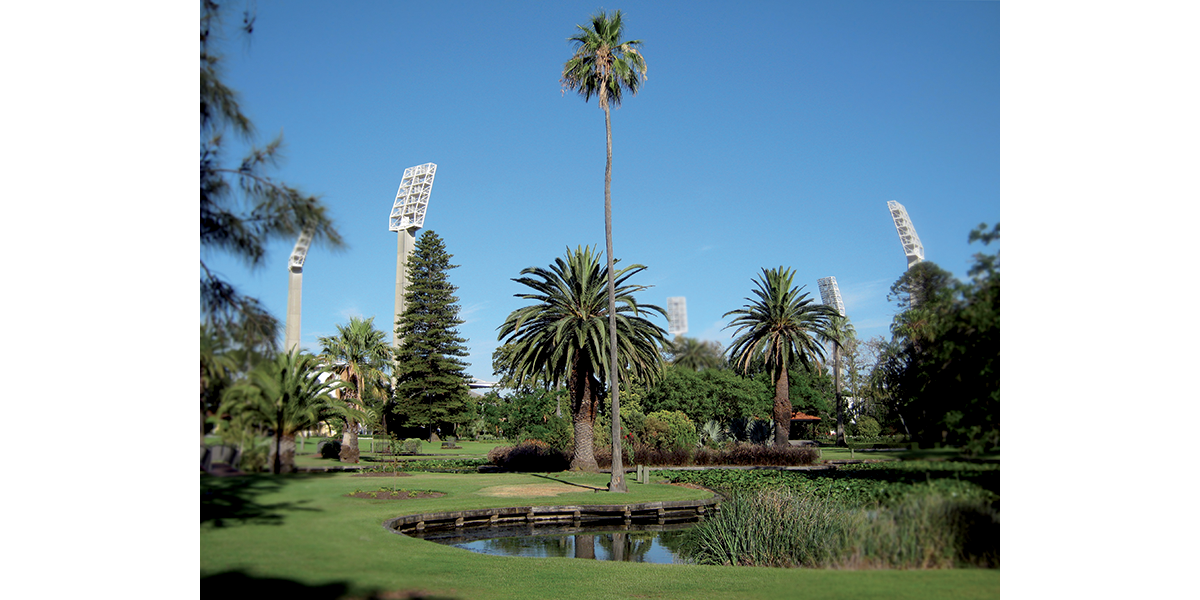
[(531, 490)]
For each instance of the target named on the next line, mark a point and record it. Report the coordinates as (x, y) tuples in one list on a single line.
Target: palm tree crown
[(604, 65), (287, 395), (564, 336), (358, 355), (781, 326)]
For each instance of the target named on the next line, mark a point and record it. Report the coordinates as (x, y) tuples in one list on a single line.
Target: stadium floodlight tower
[(295, 273), (408, 215), (830, 294), (908, 234), (677, 316)]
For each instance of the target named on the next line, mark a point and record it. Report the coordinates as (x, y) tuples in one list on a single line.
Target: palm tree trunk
[(583, 413), (283, 453), (783, 406), (617, 482), (349, 451), (837, 394)]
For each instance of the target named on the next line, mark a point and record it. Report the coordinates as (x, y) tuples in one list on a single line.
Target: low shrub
[(329, 448), (529, 456), (411, 446)]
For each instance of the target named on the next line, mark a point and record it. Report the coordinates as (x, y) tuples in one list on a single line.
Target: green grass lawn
[(301, 536)]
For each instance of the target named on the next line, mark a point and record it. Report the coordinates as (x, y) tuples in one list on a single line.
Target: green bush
[(866, 427), (411, 446), (670, 430), (329, 448)]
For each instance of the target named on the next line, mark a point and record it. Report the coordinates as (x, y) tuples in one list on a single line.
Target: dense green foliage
[(431, 379), (708, 395), (942, 369), (669, 429), (864, 485)]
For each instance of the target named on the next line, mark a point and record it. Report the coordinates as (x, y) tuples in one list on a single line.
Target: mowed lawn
[(300, 536)]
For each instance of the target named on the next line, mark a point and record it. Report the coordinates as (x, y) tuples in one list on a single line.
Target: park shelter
[(804, 425)]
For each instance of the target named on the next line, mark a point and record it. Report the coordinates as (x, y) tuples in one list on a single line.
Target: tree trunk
[(349, 452), (783, 407), (617, 482), (837, 394), (283, 453), (583, 416)]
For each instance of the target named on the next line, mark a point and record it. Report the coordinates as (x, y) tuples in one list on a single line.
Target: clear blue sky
[(767, 134)]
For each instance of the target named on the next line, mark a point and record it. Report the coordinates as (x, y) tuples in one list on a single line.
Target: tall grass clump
[(780, 527), (771, 528)]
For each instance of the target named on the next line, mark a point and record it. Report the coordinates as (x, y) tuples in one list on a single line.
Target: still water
[(664, 545)]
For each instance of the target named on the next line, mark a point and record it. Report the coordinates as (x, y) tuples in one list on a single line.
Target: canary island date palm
[(286, 395), (358, 355), (780, 326), (606, 66), (564, 337)]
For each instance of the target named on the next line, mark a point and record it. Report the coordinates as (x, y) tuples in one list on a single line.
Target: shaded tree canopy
[(943, 366)]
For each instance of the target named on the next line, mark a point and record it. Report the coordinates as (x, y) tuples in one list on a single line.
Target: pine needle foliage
[(242, 208), (431, 380)]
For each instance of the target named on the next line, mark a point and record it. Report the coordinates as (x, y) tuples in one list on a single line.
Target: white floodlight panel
[(908, 234), (677, 315), (830, 294), (300, 251), (412, 198)]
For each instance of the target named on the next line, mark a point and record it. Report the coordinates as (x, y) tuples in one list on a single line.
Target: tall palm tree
[(781, 327), (358, 355), (286, 395), (564, 337), (606, 66), (839, 334)]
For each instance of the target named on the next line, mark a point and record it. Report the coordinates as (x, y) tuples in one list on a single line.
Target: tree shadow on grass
[(237, 584), (226, 501)]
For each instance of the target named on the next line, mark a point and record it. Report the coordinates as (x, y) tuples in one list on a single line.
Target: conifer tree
[(431, 381)]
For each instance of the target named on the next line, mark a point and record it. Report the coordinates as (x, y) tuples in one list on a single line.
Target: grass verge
[(301, 535)]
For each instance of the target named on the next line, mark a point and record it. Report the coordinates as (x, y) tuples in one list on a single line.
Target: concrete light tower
[(830, 294), (408, 215), (295, 273), (677, 316), (913, 249)]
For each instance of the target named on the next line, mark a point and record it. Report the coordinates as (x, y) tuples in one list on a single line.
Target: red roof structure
[(803, 418)]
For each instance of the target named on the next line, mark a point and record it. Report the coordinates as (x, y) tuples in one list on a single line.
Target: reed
[(780, 527)]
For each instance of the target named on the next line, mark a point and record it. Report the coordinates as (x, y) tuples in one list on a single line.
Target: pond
[(660, 544)]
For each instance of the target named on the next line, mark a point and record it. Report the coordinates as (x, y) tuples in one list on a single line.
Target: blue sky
[(769, 135)]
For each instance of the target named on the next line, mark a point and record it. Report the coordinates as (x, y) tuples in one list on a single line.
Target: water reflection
[(661, 547)]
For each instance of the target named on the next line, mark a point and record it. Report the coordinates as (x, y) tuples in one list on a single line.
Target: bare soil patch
[(530, 490)]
